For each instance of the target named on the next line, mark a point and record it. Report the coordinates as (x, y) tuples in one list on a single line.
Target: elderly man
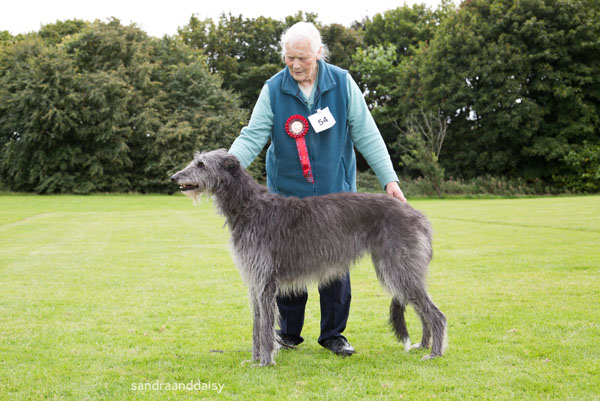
[(314, 114)]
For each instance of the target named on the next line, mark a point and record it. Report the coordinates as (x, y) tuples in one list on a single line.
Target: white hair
[(303, 31)]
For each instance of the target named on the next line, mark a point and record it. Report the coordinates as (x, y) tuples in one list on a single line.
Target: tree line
[(499, 88)]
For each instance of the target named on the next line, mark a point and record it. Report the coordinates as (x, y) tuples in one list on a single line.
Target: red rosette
[(296, 126)]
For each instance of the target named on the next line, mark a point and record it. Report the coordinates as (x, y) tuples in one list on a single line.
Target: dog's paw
[(256, 364), (417, 346), (265, 363), (430, 357)]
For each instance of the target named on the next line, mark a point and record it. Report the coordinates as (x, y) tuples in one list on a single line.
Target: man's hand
[(393, 189)]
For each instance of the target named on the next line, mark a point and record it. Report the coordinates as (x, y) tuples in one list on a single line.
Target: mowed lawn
[(123, 297)]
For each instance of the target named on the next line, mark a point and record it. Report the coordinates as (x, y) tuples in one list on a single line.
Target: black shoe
[(286, 341), (339, 346)]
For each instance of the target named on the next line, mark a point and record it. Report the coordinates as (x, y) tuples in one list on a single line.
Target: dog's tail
[(398, 323)]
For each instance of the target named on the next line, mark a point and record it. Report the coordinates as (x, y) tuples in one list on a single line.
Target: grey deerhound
[(281, 244)]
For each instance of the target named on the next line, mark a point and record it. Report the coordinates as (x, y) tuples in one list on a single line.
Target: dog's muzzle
[(184, 187)]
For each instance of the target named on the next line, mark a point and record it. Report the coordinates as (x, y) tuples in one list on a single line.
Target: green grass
[(98, 293)]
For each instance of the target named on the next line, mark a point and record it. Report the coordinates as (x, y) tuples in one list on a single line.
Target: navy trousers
[(335, 307)]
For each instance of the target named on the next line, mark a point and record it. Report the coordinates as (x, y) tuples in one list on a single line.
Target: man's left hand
[(393, 189)]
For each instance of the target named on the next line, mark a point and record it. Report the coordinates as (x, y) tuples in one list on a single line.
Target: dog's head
[(207, 172)]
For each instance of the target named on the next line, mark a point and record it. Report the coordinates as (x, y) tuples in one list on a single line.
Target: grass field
[(101, 294)]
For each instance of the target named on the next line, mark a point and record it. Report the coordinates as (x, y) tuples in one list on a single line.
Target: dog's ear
[(232, 164)]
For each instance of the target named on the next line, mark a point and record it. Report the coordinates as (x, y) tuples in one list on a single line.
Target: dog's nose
[(174, 178)]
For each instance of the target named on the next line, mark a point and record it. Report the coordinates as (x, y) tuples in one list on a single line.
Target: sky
[(158, 18)]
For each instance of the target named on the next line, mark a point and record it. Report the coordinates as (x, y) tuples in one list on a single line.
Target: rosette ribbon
[(296, 127)]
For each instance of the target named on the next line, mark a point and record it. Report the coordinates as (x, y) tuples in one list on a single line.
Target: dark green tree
[(342, 42), (49, 143), (422, 140), (392, 41), (57, 32), (5, 39), (107, 109), (405, 28), (245, 51), (583, 174), (196, 115), (518, 81)]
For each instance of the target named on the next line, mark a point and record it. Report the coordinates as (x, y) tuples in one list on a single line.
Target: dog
[(281, 244)]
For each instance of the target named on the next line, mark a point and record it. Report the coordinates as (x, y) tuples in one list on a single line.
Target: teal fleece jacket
[(331, 157)]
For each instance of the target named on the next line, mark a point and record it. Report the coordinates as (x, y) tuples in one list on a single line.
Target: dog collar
[(296, 127)]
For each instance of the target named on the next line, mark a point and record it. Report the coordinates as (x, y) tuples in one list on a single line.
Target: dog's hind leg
[(435, 319), (266, 326), (426, 337)]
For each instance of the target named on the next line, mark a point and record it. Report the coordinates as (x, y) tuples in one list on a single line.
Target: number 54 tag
[(322, 120)]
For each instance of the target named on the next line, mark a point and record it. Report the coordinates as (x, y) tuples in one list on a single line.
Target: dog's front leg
[(255, 304), (255, 327), (267, 315)]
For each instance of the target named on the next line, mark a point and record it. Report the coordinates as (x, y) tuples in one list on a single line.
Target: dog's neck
[(235, 195)]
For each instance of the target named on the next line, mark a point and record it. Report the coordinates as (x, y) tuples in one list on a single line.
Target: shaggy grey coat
[(282, 244)]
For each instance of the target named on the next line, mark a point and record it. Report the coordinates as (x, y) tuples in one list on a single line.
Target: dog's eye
[(200, 164)]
